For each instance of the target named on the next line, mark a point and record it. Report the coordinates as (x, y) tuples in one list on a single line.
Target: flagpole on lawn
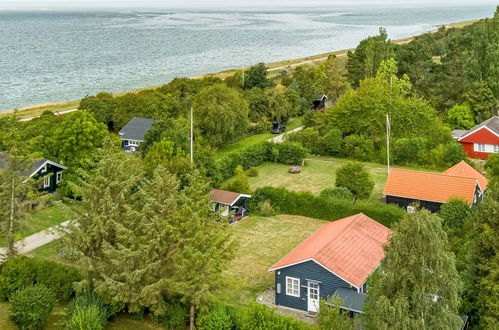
[(388, 141)]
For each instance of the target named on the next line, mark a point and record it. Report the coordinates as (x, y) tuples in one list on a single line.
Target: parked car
[(278, 128)]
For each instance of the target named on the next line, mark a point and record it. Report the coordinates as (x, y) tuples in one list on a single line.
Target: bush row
[(21, 272), (255, 316), (322, 207), (289, 153)]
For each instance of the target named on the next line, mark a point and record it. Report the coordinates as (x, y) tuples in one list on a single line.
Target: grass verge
[(262, 242)]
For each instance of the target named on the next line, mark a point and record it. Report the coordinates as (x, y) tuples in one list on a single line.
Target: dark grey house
[(49, 173), (320, 102), (336, 260), (132, 135)]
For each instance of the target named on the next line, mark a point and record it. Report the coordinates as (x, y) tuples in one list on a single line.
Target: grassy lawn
[(318, 174), (262, 242), (259, 138), (42, 219)]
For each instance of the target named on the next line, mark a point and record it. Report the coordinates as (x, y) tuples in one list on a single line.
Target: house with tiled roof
[(481, 140), (335, 260), (410, 189), (230, 204)]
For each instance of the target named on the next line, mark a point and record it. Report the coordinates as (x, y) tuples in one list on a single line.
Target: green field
[(262, 242), (258, 138), (42, 219)]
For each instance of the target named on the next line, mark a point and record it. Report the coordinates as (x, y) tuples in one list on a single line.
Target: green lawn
[(42, 219), (262, 242), (318, 174), (259, 138)]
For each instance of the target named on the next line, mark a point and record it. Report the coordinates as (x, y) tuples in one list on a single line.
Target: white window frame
[(496, 148), (295, 286), (46, 181), (134, 143), (58, 177), (44, 168)]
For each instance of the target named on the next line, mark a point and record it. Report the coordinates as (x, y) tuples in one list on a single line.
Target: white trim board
[(477, 130), (45, 163)]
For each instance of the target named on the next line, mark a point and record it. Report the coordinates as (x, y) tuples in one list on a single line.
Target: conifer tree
[(206, 247), (416, 286)]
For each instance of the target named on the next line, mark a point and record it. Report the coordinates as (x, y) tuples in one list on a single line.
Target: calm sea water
[(48, 56)]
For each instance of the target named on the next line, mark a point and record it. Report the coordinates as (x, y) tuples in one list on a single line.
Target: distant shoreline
[(31, 111)]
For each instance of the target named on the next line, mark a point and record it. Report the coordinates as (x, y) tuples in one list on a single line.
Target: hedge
[(309, 205), (289, 153), (21, 272)]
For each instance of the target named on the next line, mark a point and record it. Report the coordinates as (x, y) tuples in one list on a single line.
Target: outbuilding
[(230, 204), (335, 260)]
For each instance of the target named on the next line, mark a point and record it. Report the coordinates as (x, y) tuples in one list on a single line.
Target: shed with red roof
[(340, 255)]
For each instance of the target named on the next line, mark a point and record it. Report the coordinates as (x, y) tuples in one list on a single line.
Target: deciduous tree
[(416, 286)]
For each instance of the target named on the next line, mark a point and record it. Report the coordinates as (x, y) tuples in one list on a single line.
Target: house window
[(58, 177), (134, 143), (496, 148), (46, 181), (481, 147), (292, 286)]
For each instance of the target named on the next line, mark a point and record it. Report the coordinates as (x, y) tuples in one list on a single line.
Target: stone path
[(34, 241)]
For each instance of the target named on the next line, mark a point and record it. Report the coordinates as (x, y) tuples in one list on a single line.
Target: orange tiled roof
[(351, 248), (436, 187), (464, 169)]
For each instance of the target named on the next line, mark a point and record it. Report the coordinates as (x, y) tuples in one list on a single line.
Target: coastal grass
[(262, 242), (257, 138), (274, 68)]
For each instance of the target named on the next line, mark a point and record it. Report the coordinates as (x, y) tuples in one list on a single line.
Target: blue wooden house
[(230, 204), (336, 260), (49, 172), (134, 132)]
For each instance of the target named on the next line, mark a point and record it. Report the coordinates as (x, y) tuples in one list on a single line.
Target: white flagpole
[(388, 128), (192, 133)]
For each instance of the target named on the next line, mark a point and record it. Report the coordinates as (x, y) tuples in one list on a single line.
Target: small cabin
[(134, 132), (320, 102), (410, 189), (230, 204), (335, 260), (49, 173)]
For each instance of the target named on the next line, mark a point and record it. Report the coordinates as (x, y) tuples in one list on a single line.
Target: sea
[(59, 55)]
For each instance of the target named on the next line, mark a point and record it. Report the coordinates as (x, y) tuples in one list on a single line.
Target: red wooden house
[(481, 140)]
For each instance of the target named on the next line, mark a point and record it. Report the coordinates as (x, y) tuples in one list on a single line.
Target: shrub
[(174, 316), (257, 316), (252, 172), (215, 318), (356, 178), (358, 147), (86, 318), (332, 317), (239, 183), (446, 155), (454, 212), (290, 153), (266, 209), (337, 193), (333, 141), (410, 151), (31, 306), (309, 138), (22, 271)]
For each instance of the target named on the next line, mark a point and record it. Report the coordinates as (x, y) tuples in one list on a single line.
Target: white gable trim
[(238, 198), (312, 259), (477, 130), (45, 163)]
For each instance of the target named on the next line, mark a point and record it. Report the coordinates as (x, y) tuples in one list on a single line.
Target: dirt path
[(34, 241), (57, 113), (280, 138)]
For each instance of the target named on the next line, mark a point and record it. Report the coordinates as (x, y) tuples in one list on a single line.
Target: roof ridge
[(434, 173), (352, 219)]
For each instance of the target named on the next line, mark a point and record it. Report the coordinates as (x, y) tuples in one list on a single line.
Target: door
[(313, 297)]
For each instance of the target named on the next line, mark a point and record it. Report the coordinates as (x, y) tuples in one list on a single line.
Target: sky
[(49, 4)]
